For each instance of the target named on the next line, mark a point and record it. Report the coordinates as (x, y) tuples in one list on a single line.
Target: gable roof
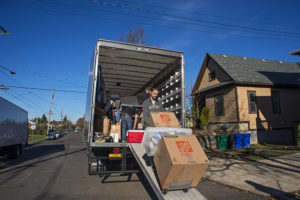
[(296, 52), (254, 70)]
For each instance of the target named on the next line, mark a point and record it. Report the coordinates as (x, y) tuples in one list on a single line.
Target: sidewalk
[(272, 177)]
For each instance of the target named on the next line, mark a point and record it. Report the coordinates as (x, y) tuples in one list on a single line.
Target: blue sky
[(50, 49)]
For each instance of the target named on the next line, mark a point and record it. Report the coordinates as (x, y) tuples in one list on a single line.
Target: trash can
[(222, 141), (246, 140), (238, 140)]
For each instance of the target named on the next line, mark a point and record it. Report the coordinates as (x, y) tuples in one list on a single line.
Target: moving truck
[(13, 129), (119, 70)]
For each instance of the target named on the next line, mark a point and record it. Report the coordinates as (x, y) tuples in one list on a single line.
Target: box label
[(184, 147), (165, 118)]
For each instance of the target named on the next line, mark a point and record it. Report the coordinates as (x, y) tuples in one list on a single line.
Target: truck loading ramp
[(139, 151)]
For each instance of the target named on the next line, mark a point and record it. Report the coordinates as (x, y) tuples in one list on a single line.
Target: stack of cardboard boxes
[(109, 130), (180, 161)]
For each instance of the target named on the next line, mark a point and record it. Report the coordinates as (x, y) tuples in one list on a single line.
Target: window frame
[(223, 113), (273, 105), (209, 75), (255, 101)]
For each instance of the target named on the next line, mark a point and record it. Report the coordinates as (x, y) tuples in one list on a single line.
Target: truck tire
[(15, 151)]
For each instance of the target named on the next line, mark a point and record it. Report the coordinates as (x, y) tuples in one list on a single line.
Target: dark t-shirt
[(129, 110)]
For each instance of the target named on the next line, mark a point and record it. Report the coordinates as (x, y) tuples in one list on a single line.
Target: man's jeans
[(126, 125)]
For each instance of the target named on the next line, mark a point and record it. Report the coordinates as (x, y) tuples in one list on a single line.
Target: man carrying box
[(151, 105)]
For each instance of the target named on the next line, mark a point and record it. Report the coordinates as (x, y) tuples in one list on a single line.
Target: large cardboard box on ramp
[(180, 162), (163, 119)]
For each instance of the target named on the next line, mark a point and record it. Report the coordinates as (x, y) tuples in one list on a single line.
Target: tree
[(43, 119), (80, 123), (134, 36), (204, 117)]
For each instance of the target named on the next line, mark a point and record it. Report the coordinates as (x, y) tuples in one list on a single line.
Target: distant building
[(250, 95)]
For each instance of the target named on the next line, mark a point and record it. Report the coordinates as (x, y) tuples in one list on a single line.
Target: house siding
[(230, 112), (265, 118), (221, 76)]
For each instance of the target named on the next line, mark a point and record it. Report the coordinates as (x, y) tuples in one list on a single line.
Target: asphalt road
[(58, 170)]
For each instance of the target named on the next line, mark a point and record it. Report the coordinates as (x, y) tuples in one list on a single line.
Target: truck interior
[(128, 71)]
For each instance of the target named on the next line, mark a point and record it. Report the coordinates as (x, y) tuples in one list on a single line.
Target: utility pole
[(61, 119), (52, 96)]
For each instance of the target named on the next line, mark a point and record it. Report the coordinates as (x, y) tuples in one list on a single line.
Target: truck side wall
[(13, 124)]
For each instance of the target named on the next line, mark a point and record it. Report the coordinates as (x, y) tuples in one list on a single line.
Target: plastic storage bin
[(135, 136), (153, 135)]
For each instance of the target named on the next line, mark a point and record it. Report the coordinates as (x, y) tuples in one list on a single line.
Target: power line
[(45, 89), (21, 100), (146, 24), (208, 14), (155, 18), (19, 84), (188, 18)]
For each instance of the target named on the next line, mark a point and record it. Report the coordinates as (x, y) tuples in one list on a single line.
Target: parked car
[(56, 133), (66, 132), (61, 134), (50, 136)]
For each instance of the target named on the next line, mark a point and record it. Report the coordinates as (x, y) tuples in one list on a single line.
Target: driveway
[(272, 177)]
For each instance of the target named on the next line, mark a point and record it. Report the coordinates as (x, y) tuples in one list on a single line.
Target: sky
[(52, 41)]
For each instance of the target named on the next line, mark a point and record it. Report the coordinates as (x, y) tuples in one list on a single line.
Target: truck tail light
[(116, 150)]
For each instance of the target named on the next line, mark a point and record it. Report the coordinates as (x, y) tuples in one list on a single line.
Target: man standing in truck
[(151, 105)]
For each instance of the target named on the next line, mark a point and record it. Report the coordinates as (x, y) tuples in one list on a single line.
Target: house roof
[(218, 85), (254, 70)]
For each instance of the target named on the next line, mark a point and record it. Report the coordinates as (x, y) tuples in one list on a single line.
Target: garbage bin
[(222, 141), (246, 140), (238, 140)]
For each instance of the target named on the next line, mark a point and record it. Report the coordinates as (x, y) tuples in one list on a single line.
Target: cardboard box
[(180, 162), (116, 128), (106, 126), (140, 126), (163, 119)]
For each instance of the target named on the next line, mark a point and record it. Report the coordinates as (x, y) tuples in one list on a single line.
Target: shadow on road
[(271, 191), (31, 152)]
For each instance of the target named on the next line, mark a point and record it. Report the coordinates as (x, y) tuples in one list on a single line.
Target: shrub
[(204, 117)]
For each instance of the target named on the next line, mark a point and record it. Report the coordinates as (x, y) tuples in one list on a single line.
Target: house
[(250, 95)]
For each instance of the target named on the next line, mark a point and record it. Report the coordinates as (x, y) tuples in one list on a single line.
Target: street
[(58, 170)]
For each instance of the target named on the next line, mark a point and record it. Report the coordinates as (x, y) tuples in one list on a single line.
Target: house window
[(212, 76), (219, 105), (252, 101), (276, 102)]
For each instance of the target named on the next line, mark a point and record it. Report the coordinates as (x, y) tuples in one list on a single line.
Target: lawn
[(254, 153), (35, 138)]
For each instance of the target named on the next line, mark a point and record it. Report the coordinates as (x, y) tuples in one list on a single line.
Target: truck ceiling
[(128, 69)]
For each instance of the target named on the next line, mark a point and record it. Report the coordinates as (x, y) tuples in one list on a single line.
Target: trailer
[(123, 69), (13, 129)]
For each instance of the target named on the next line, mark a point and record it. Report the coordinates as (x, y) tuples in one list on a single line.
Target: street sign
[(33, 127)]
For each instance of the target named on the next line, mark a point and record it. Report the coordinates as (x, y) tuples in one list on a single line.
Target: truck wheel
[(186, 190), (14, 151)]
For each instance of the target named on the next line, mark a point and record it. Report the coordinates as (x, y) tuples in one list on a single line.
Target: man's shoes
[(124, 141)]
